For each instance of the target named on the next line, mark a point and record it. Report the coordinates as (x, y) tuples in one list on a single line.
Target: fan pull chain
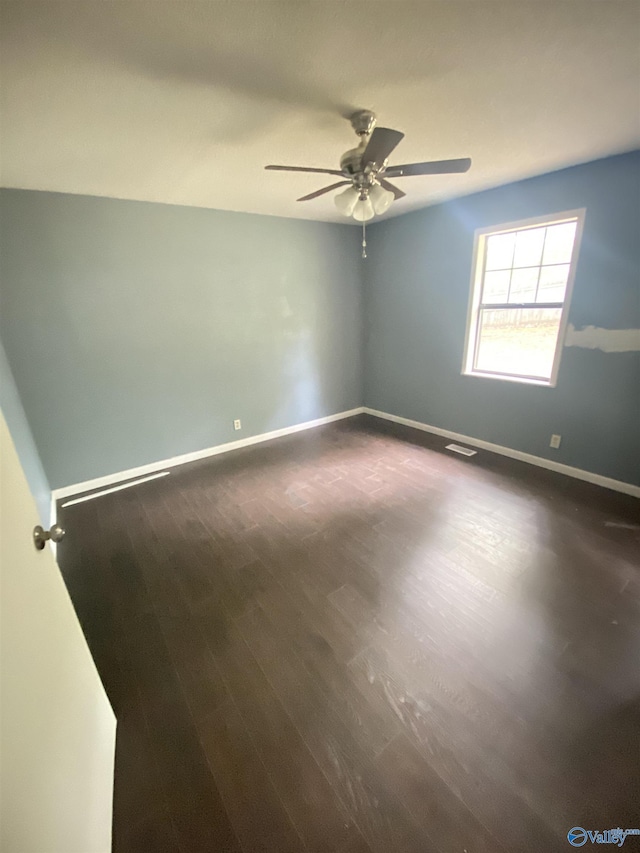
[(364, 241)]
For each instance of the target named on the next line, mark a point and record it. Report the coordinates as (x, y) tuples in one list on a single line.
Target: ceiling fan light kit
[(363, 210), (381, 199), (364, 171)]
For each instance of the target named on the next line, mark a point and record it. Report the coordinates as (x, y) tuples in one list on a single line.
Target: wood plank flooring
[(351, 641)]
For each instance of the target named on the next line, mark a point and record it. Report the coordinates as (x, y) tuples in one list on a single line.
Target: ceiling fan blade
[(397, 192), (381, 143), (304, 169), (324, 190), (432, 167)]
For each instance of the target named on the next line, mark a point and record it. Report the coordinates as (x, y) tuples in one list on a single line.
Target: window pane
[(500, 251), (529, 247), (517, 341), (558, 245), (553, 282), (523, 285), (496, 286)]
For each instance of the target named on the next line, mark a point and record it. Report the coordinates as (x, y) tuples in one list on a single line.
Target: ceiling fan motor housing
[(351, 160)]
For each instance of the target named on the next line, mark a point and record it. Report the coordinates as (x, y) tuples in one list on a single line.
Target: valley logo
[(578, 836)]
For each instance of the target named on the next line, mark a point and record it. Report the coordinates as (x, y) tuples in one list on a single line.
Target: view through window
[(520, 293)]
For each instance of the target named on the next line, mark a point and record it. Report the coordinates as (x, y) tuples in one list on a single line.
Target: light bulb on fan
[(380, 198), (346, 201), (363, 210)]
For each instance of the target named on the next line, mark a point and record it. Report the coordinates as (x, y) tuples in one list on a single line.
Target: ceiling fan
[(364, 170)]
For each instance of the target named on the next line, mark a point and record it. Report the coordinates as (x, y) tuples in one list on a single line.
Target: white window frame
[(477, 275)]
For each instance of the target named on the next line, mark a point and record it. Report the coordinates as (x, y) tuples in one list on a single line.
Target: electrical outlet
[(237, 424), (555, 441)]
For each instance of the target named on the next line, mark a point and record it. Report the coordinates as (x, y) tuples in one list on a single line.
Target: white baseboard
[(559, 467), (118, 477)]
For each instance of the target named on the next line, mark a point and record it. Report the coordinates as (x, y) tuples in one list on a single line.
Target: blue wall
[(138, 332), (417, 283), (15, 417)]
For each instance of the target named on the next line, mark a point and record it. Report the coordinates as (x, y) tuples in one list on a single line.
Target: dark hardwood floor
[(350, 640)]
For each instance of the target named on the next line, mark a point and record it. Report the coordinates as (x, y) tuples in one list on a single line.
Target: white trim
[(568, 295), (559, 467), (544, 219), (477, 276), (502, 377), (152, 467), (119, 488)]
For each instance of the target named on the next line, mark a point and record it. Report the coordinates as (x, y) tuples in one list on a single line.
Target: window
[(522, 278)]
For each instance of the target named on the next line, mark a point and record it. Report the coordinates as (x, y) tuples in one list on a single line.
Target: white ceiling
[(185, 102)]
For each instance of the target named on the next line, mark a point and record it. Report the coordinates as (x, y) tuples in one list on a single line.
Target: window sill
[(523, 380)]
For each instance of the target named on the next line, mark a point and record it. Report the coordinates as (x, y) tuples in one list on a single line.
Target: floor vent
[(464, 451)]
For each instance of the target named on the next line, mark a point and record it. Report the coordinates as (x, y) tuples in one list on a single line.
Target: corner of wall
[(22, 436)]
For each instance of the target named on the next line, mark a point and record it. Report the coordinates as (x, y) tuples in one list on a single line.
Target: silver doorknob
[(40, 535)]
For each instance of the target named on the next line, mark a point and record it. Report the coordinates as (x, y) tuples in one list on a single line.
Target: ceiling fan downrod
[(363, 122)]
